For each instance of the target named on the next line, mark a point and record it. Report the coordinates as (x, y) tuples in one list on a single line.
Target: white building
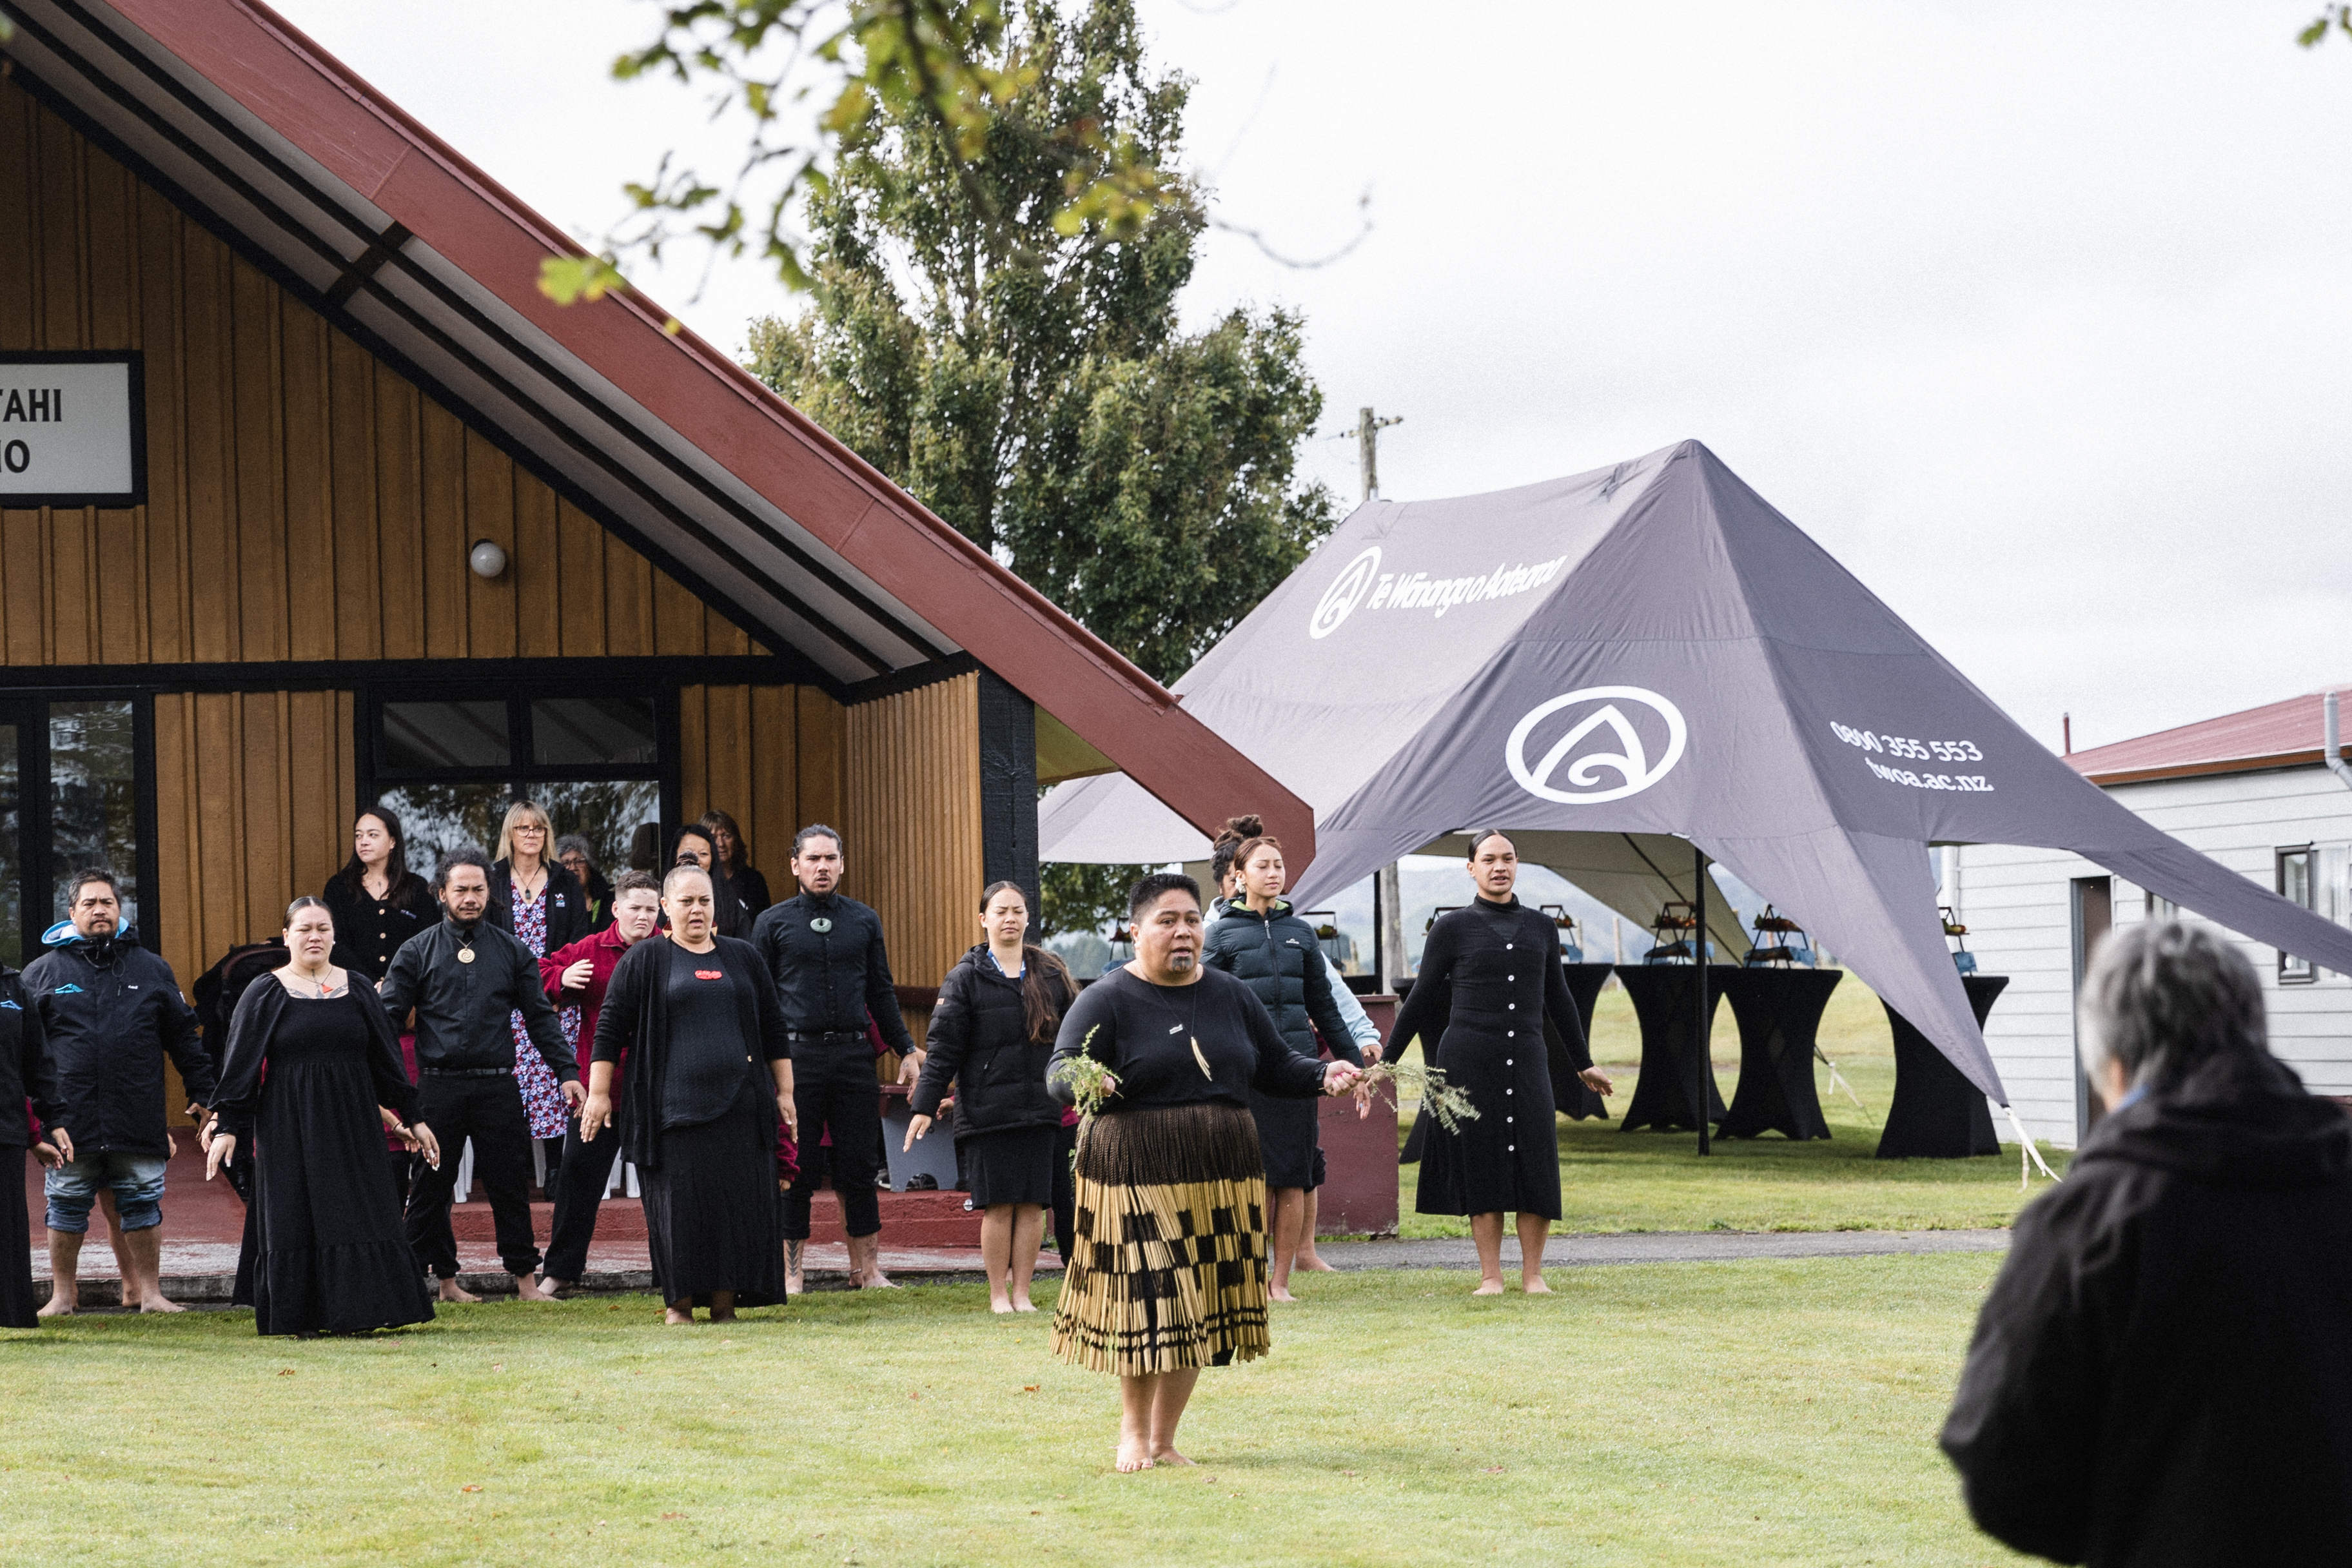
[(2252, 791)]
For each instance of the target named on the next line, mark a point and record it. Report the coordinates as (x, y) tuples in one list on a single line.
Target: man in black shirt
[(112, 1012), (466, 978), (833, 973)]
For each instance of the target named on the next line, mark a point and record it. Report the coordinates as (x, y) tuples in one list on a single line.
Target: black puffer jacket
[(980, 1037), (1277, 956), (2163, 1371)]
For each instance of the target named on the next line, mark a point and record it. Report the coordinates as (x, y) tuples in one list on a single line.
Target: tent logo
[(1629, 762), (1346, 592)]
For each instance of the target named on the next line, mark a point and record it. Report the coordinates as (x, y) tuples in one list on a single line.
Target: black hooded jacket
[(110, 1012), (979, 1037), (1276, 955), (2162, 1372)]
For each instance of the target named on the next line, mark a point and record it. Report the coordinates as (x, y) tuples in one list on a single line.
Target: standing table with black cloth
[(1779, 1013), (1661, 994), (1937, 1114), (1569, 1097)]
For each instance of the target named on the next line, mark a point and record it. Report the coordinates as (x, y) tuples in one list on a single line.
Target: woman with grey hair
[(577, 856), (2163, 1371)]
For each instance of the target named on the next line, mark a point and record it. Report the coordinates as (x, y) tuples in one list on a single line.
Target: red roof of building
[(2276, 735)]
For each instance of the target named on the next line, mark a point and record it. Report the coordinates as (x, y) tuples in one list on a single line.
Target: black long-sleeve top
[(1489, 966), (253, 1026), (110, 1014), (465, 1010), (25, 1070), (831, 968), (637, 1023), (1146, 1035), (978, 1039), (369, 930)]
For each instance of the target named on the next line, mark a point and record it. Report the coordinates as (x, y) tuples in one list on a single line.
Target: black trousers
[(835, 1088), (579, 1184), (490, 1112)]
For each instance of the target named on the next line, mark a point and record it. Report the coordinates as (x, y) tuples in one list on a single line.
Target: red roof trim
[(2283, 734), (283, 78)]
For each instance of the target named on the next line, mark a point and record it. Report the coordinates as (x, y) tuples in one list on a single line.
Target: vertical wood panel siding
[(305, 502)]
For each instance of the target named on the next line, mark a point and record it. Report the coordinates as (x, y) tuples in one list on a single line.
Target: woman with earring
[(377, 903), (1262, 942), (544, 906), (731, 864), (1498, 960), (710, 1074), (309, 1059), (992, 1033)]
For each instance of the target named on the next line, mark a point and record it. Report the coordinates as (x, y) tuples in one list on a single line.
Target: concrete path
[(1665, 1247)]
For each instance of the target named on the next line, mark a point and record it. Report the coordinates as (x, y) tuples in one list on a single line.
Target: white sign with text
[(72, 430)]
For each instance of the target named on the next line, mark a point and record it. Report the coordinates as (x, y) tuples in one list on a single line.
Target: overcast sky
[(2038, 317)]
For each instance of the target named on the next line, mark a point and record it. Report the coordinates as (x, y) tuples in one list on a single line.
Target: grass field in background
[(1612, 1181), (1740, 1414)]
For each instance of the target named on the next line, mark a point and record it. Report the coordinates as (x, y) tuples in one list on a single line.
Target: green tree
[(1029, 380)]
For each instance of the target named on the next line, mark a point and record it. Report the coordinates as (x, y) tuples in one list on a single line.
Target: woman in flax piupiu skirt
[(1170, 1267)]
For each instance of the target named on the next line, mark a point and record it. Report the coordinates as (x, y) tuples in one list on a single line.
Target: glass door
[(12, 859), (68, 799)]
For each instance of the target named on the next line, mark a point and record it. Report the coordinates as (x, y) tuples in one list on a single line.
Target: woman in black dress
[(377, 903), (328, 1254), (1498, 964), (993, 1033), (1169, 1273), (710, 1072), (696, 847), (1260, 941), (26, 1072)]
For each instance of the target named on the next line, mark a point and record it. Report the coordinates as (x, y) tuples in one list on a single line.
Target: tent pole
[(1698, 967)]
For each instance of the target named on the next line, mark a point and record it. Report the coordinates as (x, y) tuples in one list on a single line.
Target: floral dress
[(543, 1099)]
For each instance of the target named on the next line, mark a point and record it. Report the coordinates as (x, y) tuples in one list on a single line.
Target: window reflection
[(445, 734), (93, 798), (576, 731), (12, 864), (620, 818)]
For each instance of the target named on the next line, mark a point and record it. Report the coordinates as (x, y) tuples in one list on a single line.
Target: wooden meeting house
[(310, 498)]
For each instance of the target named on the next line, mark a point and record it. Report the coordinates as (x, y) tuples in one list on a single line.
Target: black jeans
[(579, 1184), (835, 1088), (489, 1110)]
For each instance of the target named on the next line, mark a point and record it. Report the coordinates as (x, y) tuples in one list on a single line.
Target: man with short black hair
[(111, 1013), (833, 972), (466, 978), (2163, 1371)]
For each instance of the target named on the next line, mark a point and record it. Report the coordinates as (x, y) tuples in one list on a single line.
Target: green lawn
[(1612, 1181), (1737, 1414)]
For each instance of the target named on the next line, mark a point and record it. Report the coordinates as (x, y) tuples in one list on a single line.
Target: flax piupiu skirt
[(1169, 1269)]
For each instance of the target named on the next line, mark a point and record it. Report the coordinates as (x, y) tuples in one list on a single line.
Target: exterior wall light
[(488, 558)]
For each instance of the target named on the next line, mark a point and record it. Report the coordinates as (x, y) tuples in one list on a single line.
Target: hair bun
[(1237, 828)]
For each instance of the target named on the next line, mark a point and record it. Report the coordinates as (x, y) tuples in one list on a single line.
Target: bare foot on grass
[(1311, 1264), (452, 1291), (1280, 1293), (528, 1288), (1488, 1287), (60, 1304), (1024, 1304), (1169, 1457), (875, 1280), (1001, 1304), (678, 1319), (1534, 1286), (156, 1303), (1134, 1453)]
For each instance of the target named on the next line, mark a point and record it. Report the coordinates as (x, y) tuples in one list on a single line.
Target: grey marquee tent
[(1614, 666)]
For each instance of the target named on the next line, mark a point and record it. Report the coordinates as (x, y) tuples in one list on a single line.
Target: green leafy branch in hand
[(1451, 1105), (1090, 1084)]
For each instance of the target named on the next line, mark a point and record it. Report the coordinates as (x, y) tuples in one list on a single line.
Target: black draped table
[(1937, 1114), (1779, 1013), (1568, 1095), (1672, 1057)]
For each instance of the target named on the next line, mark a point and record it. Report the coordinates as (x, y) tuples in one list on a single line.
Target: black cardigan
[(636, 1020), (255, 1024), (980, 1039), (367, 934), (567, 904)]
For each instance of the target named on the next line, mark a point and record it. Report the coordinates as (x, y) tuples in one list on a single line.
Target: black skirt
[(711, 1221), (325, 1251), (1290, 1134), (18, 1309), (1014, 1166), (1507, 1159)]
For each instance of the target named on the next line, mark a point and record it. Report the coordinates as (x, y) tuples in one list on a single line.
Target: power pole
[(1388, 904), (1368, 448)]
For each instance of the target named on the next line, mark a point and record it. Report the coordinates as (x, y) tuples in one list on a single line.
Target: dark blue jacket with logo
[(110, 1011), (1277, 956)]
